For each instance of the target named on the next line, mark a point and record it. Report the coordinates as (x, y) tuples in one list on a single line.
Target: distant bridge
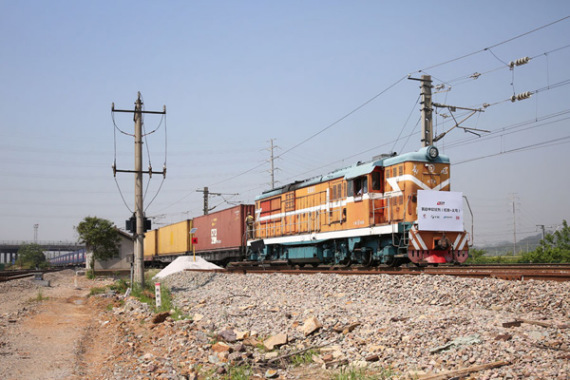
[(9, 249)]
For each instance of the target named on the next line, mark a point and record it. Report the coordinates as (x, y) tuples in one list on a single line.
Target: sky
[(325, 82)]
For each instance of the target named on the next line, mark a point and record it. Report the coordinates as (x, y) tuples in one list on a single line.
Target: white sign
[(157, 295), (440, 211)]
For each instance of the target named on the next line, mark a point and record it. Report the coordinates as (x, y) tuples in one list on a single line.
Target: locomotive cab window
[(358, 186), (376, 177)]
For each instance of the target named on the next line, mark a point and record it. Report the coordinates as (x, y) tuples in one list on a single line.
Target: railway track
[(10, 275), (517, 272)]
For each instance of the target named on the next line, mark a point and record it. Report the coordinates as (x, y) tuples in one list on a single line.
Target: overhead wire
[(388, 88), (495, 45)]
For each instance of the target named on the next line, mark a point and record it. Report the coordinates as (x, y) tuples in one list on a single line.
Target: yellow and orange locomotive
[(392, 210)]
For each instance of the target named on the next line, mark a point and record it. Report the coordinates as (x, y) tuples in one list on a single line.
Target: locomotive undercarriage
[(390, 249), (366, 251)]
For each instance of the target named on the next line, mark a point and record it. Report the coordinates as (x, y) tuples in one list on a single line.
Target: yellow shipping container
[(150, 243), (174, 239)]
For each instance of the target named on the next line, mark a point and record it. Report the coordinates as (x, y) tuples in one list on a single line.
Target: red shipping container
[(222, 230)]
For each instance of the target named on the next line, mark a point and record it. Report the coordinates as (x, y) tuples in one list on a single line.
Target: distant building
[(120, 263)]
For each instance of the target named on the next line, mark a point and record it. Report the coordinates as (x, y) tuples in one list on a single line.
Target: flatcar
[(391, 210)]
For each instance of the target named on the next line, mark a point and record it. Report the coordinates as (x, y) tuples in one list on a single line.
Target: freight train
[(218, 237), (76, 258), (391, 210)]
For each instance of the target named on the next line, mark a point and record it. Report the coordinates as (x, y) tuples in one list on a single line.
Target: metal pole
[(427, 134), (272, 167), (206, 200), (139, 234)]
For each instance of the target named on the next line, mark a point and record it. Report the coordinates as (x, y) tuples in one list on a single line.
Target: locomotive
[(391, 210)]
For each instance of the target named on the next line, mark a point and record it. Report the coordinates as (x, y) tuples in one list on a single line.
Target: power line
[(495, 45), (344, 117)]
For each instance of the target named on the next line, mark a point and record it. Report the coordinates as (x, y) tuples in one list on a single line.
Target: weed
[(39, 297), (96, 291), (303, 358), (363, 374), (243, 372)]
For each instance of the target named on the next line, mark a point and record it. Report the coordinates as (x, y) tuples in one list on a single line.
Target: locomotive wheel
[(367, 260), (393, 262)]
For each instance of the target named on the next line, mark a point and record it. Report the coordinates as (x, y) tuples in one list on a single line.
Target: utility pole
[(514, 225), (139, 209), (427, 134), (425, 101), (542, 228), (272, 162), (427, 109), (207, 194)]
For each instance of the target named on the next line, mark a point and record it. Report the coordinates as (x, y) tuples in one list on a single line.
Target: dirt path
[(51, 332)]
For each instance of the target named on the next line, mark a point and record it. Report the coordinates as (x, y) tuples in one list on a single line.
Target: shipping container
[(221, 236), (174, 239), (150, 244)]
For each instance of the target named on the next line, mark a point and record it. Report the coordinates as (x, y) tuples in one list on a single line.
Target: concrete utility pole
[(139, 208), (427, 134)]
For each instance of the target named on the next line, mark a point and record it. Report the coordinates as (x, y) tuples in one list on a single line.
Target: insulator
[(475, 75), (519, 62), (521, 96)]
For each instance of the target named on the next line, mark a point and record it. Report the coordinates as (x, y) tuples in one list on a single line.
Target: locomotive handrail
[(472, 222)]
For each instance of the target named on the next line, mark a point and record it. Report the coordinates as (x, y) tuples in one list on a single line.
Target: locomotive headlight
[(432, 152)]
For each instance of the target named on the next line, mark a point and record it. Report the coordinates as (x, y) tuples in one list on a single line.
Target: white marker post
[(157, 295)]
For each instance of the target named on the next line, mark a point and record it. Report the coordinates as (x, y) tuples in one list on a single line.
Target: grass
[(39, 297), (242, 372), (363, 374), (303, 358), (147, 295), (96, 291)]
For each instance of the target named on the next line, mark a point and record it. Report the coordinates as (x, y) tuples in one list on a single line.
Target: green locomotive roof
[(357, 170)]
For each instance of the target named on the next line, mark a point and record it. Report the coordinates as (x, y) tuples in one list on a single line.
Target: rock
[(372, 358), (311, 325), (241, 335), (160, 317), (504, 337), (275, 341), (221, 347), (271, 355), (227, 336), (271, 374)]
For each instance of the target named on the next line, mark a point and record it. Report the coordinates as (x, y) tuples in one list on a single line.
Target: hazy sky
[(235, 74)]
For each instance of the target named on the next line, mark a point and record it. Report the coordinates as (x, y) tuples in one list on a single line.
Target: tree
[(100, 237), (554, 248), (31, 255)]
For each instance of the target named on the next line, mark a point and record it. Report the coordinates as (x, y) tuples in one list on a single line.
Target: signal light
[(521, 96)]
